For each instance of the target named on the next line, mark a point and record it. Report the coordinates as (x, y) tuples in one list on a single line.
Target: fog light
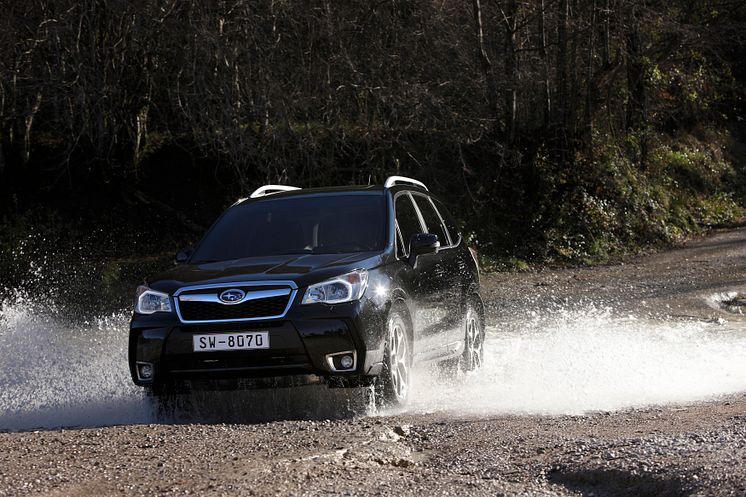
[(346, 362), (145, 371)]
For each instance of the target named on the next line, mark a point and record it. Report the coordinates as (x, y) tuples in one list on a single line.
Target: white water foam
[(576, 362), (56, 371), (59, 373)]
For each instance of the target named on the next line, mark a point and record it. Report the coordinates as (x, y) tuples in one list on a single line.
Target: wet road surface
[(607, 381)]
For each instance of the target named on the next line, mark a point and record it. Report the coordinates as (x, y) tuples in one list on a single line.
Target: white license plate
[(231, 341)]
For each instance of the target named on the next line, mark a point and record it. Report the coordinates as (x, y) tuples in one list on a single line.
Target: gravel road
[(696, 448)]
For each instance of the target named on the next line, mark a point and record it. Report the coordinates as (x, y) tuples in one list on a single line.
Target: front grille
[(208, 311), (270, 307)]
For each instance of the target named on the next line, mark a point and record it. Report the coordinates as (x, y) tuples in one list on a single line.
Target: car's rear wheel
[(392, 387), (473, 355)]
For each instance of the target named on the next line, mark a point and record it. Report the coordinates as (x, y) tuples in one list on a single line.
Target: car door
[(445, 269), (426, 288)]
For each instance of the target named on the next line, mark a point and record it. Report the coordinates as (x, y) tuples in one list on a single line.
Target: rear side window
[(432, 219), (407, 219), (451, 224)]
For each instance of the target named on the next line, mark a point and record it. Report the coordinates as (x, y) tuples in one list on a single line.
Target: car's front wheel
[(392, 387)]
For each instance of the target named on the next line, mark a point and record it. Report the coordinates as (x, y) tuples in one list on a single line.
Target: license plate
[(231, 341)]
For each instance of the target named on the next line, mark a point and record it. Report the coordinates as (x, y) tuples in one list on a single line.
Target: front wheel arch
[(400, 305)]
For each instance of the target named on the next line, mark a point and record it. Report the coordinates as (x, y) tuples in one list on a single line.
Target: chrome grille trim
[(215, 299), (292, 290)]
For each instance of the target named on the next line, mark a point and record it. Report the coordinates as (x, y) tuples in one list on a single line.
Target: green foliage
[(719, 210), (619, 208), (578, 137), (491, 264)]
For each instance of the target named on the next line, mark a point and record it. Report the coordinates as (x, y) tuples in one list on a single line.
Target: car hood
[(303, 269)]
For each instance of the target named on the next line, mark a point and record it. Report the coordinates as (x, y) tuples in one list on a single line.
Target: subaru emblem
[(232, 296)]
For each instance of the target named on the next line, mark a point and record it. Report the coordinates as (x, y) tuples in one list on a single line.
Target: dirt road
[(694, 449)]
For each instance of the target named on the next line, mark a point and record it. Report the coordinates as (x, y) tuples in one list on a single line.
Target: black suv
[(351, 284)]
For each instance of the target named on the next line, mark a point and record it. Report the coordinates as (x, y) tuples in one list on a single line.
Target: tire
[(162, 398), (473, 355), (159, 390), (392, 387)]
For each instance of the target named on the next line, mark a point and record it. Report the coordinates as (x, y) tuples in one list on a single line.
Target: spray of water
[(572, 362), (58, 371)]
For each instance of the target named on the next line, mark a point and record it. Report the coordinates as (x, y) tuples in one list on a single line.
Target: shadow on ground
[(246, 406), (259, 405), (604, 482)]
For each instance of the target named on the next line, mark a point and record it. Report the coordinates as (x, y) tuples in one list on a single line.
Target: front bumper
[(300, 344)]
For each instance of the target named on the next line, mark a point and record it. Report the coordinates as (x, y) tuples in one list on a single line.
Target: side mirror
[(422, 244), (183, 255)]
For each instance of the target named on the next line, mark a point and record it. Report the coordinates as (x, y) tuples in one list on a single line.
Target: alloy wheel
[(398, 360), (474, 351)]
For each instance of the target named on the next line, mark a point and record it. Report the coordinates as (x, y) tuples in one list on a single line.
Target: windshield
[(328, 224)]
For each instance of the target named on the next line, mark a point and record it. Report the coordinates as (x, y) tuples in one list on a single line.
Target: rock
[(402, 430)]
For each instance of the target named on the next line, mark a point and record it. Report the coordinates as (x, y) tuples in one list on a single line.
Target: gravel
[(675, 450)]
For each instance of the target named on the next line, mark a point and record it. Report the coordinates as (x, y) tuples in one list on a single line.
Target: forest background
[(557, 131)]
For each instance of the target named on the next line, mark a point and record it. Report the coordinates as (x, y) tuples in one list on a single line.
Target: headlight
[(345, 288), (149, 301)]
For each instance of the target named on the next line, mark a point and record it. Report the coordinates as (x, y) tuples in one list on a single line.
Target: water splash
[(579, 361), (59, 371)]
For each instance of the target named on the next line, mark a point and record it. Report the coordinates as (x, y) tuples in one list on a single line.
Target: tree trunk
[(561, 140), (547, 96), (28, 123), (589, 85), (635, 75), (606, 52), (636, 86), (511, 14), (484, 59), (573, 102)]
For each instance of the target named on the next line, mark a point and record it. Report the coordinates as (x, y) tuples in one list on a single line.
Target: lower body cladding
[(334, 348)]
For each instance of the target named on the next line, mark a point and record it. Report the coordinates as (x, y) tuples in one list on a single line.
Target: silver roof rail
[(394, 180), (265, 190)]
